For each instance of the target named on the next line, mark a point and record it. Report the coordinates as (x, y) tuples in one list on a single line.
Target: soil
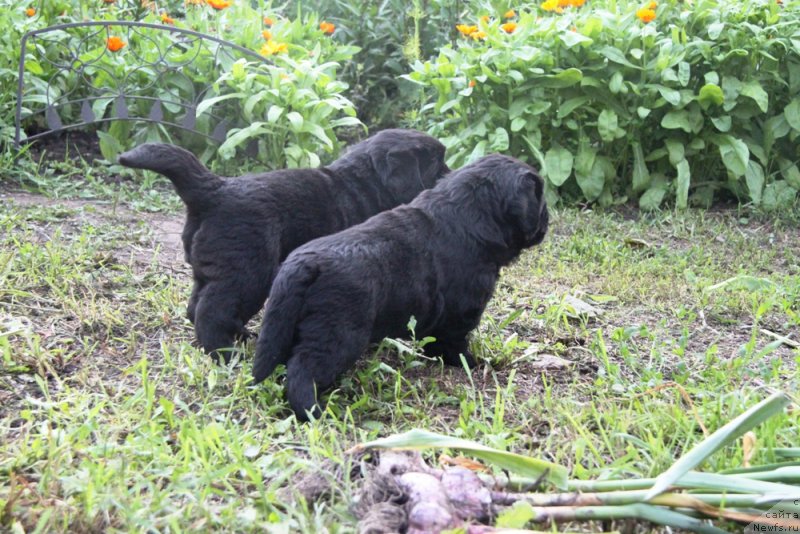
[(67, 145)]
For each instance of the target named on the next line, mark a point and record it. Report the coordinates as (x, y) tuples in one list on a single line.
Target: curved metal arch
[(76, 64)]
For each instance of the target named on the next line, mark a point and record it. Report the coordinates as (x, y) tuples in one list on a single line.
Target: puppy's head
[(521, 192), (506, 197), (406, 162)]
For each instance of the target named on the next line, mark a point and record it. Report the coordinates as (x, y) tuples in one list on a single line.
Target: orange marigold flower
[(271, 47), (510, 14), (652, 5), (267, 35), (646, 15), (578, 3), (485, 19), (327, 27), (509, 27), (166, 19), (478, 35), (268, 21), (218, 4), (472, 83), (30, 12), (115, 44), (466, 30)]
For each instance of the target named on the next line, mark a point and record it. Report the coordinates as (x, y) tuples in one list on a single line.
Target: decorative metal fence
[(88, 83)]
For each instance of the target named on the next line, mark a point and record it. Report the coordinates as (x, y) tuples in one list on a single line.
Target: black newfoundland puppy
[(238, 230), (437, 258)]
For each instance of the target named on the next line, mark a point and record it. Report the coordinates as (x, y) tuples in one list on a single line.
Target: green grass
[(113, 421)]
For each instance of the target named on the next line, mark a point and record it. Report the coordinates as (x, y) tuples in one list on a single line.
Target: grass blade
[(748, 482), (422, 439), (753, 417)]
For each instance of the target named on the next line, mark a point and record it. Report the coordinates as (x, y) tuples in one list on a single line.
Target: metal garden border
[(86, 94)]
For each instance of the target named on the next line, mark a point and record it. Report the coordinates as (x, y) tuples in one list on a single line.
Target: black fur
[(437, 258), (238, 230)]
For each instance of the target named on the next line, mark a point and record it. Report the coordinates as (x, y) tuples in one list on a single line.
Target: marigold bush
[(681, 102), (285, 110)]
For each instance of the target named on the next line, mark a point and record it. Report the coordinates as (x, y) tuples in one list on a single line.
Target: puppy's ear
[(526, 209), (405, 172)]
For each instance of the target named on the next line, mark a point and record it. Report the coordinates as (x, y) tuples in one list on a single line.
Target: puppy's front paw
[(451, 352)]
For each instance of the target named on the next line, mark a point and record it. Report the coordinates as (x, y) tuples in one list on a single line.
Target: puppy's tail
[(284, 309), (192, 180)]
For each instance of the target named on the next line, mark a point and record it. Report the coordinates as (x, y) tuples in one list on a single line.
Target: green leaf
[(558, 165), (642, 112), (754, 176), (517, 107), (33, 67), (751, 418), (792, 175), (518, 124), (684, 73), (570, 38), (296, 120), (317, 131), (418, 439), (565, 78), (711, 77), (498, 141), (568, 106), (641, 176), (744, 282), (711, 94), (274, 113), (615, 84), (778, 195), (346, 121), (479, 151), (723, 124), (715, 30), (792, 114), (652, 198), (673, 96), (682, 185), (734, 154), (590, 177), (613, 54), (754, 90), (677, 119), (237, 137), (607, 124), (676, 151), (208, 102), (515, 516), (110, 147)]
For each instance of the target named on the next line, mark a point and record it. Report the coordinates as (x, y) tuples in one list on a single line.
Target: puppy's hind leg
[(317, 362), (216, 323), (191, 307)]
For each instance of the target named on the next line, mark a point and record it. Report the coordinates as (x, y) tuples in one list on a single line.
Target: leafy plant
[(283, 109), (701, 98)]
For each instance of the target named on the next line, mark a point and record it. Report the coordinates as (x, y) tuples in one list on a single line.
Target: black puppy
[(437, 258), (238, 230)]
